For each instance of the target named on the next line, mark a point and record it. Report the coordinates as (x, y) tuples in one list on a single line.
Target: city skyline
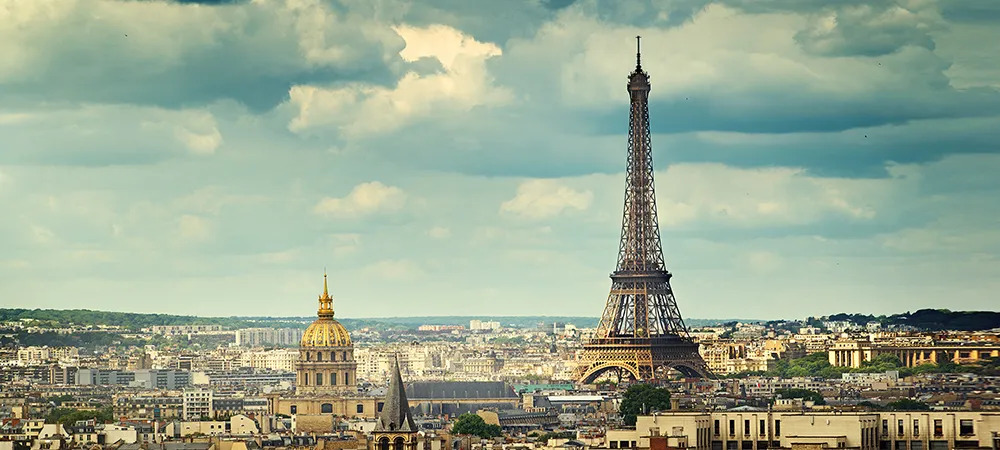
[(810, 160)]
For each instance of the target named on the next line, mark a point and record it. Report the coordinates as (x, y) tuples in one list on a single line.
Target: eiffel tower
[(641, 335)]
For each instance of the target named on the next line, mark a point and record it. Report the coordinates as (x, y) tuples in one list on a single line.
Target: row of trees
[(818, 365), (930, 319)]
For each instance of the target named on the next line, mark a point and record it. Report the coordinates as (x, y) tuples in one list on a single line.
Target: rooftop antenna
[(638, 64)]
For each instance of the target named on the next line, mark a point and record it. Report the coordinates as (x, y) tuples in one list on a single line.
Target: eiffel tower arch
[(641, 335)]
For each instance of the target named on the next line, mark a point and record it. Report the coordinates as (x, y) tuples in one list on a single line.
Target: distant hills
[(925, 319), (930, 319), (136, 321)]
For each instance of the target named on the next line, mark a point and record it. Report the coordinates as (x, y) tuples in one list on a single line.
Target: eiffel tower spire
[(641, 333)]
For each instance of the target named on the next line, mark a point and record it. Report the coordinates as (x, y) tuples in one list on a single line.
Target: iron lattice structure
[(641, 334)]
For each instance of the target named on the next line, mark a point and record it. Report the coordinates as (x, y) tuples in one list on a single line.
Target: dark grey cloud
[(193, 54), (973, 11), (868, 30)]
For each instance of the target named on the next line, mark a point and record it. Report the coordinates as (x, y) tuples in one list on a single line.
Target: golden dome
[(325, 331)]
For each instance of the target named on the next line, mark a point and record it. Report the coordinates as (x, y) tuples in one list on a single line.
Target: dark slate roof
[(460, 389), (395, 415)]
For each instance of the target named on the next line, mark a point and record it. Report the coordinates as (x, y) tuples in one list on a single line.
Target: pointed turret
[(395, 415), (325, 301)]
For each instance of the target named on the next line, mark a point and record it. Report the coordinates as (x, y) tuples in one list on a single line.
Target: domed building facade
[(326, 363), (325, 383)]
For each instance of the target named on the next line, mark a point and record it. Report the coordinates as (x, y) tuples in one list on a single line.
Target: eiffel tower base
[(640, 359)]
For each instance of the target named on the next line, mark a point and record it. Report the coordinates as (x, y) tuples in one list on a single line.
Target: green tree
[(474, 425), (643, 398)]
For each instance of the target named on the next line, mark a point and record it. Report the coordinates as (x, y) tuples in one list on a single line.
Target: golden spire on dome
[(325, 301)]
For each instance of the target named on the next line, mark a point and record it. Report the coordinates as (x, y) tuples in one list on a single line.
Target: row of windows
[(333, 379), (746, 427), (334, 356), (965, 427), (327, 408), (318, 379)]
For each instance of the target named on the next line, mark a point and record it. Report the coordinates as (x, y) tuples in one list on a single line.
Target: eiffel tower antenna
[(641, 334)]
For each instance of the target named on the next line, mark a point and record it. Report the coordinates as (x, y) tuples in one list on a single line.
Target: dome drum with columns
[(326, 355)]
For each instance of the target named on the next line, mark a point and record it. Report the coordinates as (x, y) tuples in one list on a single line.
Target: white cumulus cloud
[(464, 84), (364, 199), (540, 199)]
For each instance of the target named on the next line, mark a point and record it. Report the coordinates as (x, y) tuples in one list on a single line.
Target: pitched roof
[(395, 415)]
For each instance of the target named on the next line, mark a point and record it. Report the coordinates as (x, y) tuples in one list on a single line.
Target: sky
[(452, 157)]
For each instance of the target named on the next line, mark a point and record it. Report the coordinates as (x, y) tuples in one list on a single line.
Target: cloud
[(172, 53), (364, 199), (866, 30), (728, 71), (201, 135), (101, 135), (194, 229), (542, 199), (395, 270), (352, 110), (345, 243), (439, 232), (695, 194)]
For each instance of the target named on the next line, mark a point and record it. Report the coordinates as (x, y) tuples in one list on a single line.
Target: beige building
[(40, 355), (733, 356), (852, 353), (282, 359), (758, 430)]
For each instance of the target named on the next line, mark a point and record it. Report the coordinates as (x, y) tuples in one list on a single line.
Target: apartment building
[(197, 403)]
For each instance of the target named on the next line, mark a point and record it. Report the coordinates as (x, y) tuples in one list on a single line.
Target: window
[(308, 355), (746, 427), (319, 356), (732, 427), (347, 378), (333, 379), (762, 427), (777, 428), (938, 428), (379, 406), (916, 427), (885, 427), (899, 426), (361, 408), (965, 427), (326, 408), (319, 379), (293, 409), (716, 427)]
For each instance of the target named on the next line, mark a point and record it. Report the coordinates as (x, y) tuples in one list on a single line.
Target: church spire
[(396, 414), (325, 301), (326, 292)]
